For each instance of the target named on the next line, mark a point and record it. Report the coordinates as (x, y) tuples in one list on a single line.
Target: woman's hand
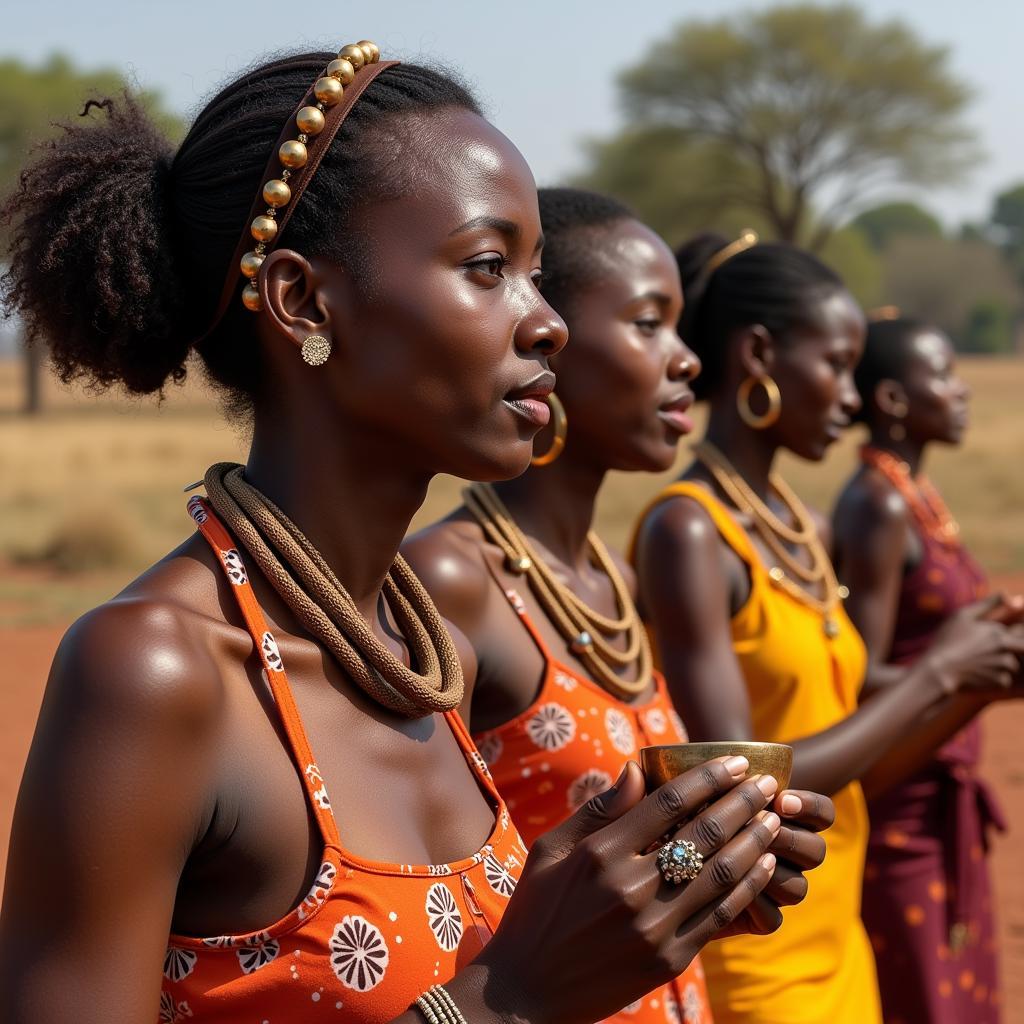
[(798, 849), (593, 926), (978, 648)]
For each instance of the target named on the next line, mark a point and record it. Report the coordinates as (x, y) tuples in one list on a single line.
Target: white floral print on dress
[(172, 1012), (655, 721), (196, 511), (585, 786), (551, 727), (359, 954), (271, 654), (252, 958), (178, 963), (565, 681), (620, 731), (322, 885), (693, 1011), (672, 1014), (443, 916), (233, 565), (499, 876), (491, 747)]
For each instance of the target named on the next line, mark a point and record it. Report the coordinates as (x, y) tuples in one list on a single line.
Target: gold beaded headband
[(747, 240), (300, 147)]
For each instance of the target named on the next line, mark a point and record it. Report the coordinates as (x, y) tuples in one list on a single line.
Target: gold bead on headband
[(293, 161), (883, 313), (747, 240)]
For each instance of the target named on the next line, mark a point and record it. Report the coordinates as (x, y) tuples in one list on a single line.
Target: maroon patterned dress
[(927, 900)]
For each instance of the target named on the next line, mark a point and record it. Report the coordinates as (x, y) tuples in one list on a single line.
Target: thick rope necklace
[(775, 534), (306, 583), (585, 629)]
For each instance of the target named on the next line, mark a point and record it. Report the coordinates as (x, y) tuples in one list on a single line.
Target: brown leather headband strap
[(316, 146)]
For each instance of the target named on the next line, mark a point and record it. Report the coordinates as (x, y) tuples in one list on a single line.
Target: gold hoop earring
[(771, 390), (561, 426), (316, 349)]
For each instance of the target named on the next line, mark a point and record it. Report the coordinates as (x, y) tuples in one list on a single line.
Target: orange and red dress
[(570, 744), (369, 937)]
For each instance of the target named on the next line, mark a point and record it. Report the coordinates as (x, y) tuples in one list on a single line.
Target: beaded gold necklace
[(586, 630), (777, 533)]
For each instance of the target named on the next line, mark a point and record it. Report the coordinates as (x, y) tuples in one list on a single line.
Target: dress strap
[(519, 607), (273, 667), (725, 522)]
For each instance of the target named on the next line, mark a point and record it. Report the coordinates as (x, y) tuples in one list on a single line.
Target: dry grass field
[(91, 490)]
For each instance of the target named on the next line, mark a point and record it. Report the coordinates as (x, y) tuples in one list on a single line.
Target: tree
[(810, 108), (958, 285), (883, 223), (1008, 220), (34, 101)]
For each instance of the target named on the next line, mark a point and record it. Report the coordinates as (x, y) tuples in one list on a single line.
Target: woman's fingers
[(673, 802), (763, 916), (593, 817), (812, 811), (799, 847), (725, 869), (719, 822), (724, 909), (787, 886)]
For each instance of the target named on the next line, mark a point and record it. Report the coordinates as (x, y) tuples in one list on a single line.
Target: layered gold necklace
[(586, 630), (306, 583), (780, 536)]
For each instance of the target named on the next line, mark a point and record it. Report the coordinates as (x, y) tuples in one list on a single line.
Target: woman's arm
[(687, 599), (869, 527), (113, 798)]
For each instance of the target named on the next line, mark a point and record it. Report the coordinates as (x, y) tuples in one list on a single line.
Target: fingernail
[(768, 862), (768, 785), (622, 777), (737, 766), (772, 822), (791, 804)]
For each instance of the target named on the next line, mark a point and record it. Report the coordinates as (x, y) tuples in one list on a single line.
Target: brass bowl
[(666, 762)]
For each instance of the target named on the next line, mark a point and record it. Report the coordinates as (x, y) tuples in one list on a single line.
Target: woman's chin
[(494, 465)]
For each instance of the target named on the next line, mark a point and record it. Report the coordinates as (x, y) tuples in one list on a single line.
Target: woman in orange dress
[(736, 581), (565, 692), (250, 796)]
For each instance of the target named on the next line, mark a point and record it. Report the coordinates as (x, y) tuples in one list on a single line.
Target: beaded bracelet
[(438, 1007)]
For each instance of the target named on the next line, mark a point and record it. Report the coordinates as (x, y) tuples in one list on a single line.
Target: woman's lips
[(533, 410), (674, 414), (677, 420)]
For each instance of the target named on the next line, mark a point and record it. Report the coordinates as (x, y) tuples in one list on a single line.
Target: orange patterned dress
[(570, 744), (368, 937)]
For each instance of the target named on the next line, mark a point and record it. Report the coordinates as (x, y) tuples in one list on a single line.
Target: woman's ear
[(891, 398), (293, 298), (757, 350)]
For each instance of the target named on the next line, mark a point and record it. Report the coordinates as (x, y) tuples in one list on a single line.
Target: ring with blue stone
[(679, 861)]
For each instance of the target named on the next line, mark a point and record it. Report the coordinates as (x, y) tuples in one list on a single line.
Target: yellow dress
[(818, 968)]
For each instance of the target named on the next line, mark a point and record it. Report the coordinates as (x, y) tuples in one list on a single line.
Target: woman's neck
[(352, 499), (907, 450), (554, 505), (751, 452)]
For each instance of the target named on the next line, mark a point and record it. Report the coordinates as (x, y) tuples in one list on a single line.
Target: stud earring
[(315, 350)]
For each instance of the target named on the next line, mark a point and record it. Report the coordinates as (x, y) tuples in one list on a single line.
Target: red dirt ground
[(28, 652)]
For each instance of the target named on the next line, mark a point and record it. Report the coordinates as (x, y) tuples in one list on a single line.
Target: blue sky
[(545, 69)]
